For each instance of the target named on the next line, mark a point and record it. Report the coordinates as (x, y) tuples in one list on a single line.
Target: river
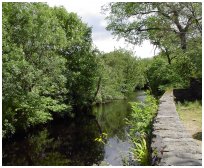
[(73, 141)]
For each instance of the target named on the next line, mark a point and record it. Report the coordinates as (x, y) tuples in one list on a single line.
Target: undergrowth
[(140, 128)]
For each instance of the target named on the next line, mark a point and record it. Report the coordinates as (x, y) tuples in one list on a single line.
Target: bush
[(140, 122)]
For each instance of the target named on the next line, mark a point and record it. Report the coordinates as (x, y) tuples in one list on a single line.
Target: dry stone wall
[(171, 144)]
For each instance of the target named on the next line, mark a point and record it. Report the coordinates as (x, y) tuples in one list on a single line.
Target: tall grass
[(190, 105)]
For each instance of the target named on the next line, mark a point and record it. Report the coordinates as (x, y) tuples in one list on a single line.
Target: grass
[(191, 115)]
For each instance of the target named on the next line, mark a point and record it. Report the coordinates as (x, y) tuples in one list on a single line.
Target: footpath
[(171, 144)]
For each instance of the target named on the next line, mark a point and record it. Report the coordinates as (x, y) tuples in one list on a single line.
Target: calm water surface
[(73, 142)]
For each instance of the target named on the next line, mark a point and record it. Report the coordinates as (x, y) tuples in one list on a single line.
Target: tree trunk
[(183, 41), (167, 55), (98, 87)]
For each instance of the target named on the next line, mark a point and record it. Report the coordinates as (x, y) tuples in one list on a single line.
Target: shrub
[(140, 122)]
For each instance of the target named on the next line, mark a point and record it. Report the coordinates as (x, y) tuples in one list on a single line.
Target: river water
[(72, 142)]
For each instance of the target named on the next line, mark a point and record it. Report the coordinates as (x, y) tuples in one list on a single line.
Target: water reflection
[(116, 150), (73, 142), (61, 144), (33, 150), (111, 118)]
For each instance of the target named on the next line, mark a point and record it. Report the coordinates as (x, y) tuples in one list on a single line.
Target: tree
[(48, 64), (138, 21), (172, 27), (120, 72), (80, 59), (33, 80), (162, 75)]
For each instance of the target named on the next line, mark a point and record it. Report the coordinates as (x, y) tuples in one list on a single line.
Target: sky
[(90, 13)]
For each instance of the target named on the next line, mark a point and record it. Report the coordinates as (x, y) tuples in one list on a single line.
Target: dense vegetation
[(175, 28), (43, 49), (140, 122), (119, 73), (50, 66)]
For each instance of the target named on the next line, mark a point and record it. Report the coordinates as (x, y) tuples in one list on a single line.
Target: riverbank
[(72, 142)]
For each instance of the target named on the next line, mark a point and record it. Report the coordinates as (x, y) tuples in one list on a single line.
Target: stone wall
[(171, 144)]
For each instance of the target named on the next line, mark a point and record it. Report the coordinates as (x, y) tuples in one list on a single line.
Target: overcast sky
[(90, 13)]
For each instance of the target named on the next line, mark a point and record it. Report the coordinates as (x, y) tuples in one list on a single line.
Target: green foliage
[(189, 64), (174, 28), (120, 73), (140, 151), (161, 75), (140, 122), (48, 64), (29, 58), (142, 115), (138, 21), (80, 59), (190, 105), (102, 138), (111, 117)]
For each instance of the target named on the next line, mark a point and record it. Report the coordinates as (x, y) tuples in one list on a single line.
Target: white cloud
[(90, 12)]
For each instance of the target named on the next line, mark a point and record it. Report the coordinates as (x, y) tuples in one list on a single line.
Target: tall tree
[(48, 64), (81, 59), (120, 73), (135, 21), (173, 27)]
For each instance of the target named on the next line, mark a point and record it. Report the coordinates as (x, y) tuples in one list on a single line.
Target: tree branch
[(188, 24), (145, 13), (196, 19)]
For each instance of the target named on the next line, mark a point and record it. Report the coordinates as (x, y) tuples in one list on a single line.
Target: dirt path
[(195, 132)]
